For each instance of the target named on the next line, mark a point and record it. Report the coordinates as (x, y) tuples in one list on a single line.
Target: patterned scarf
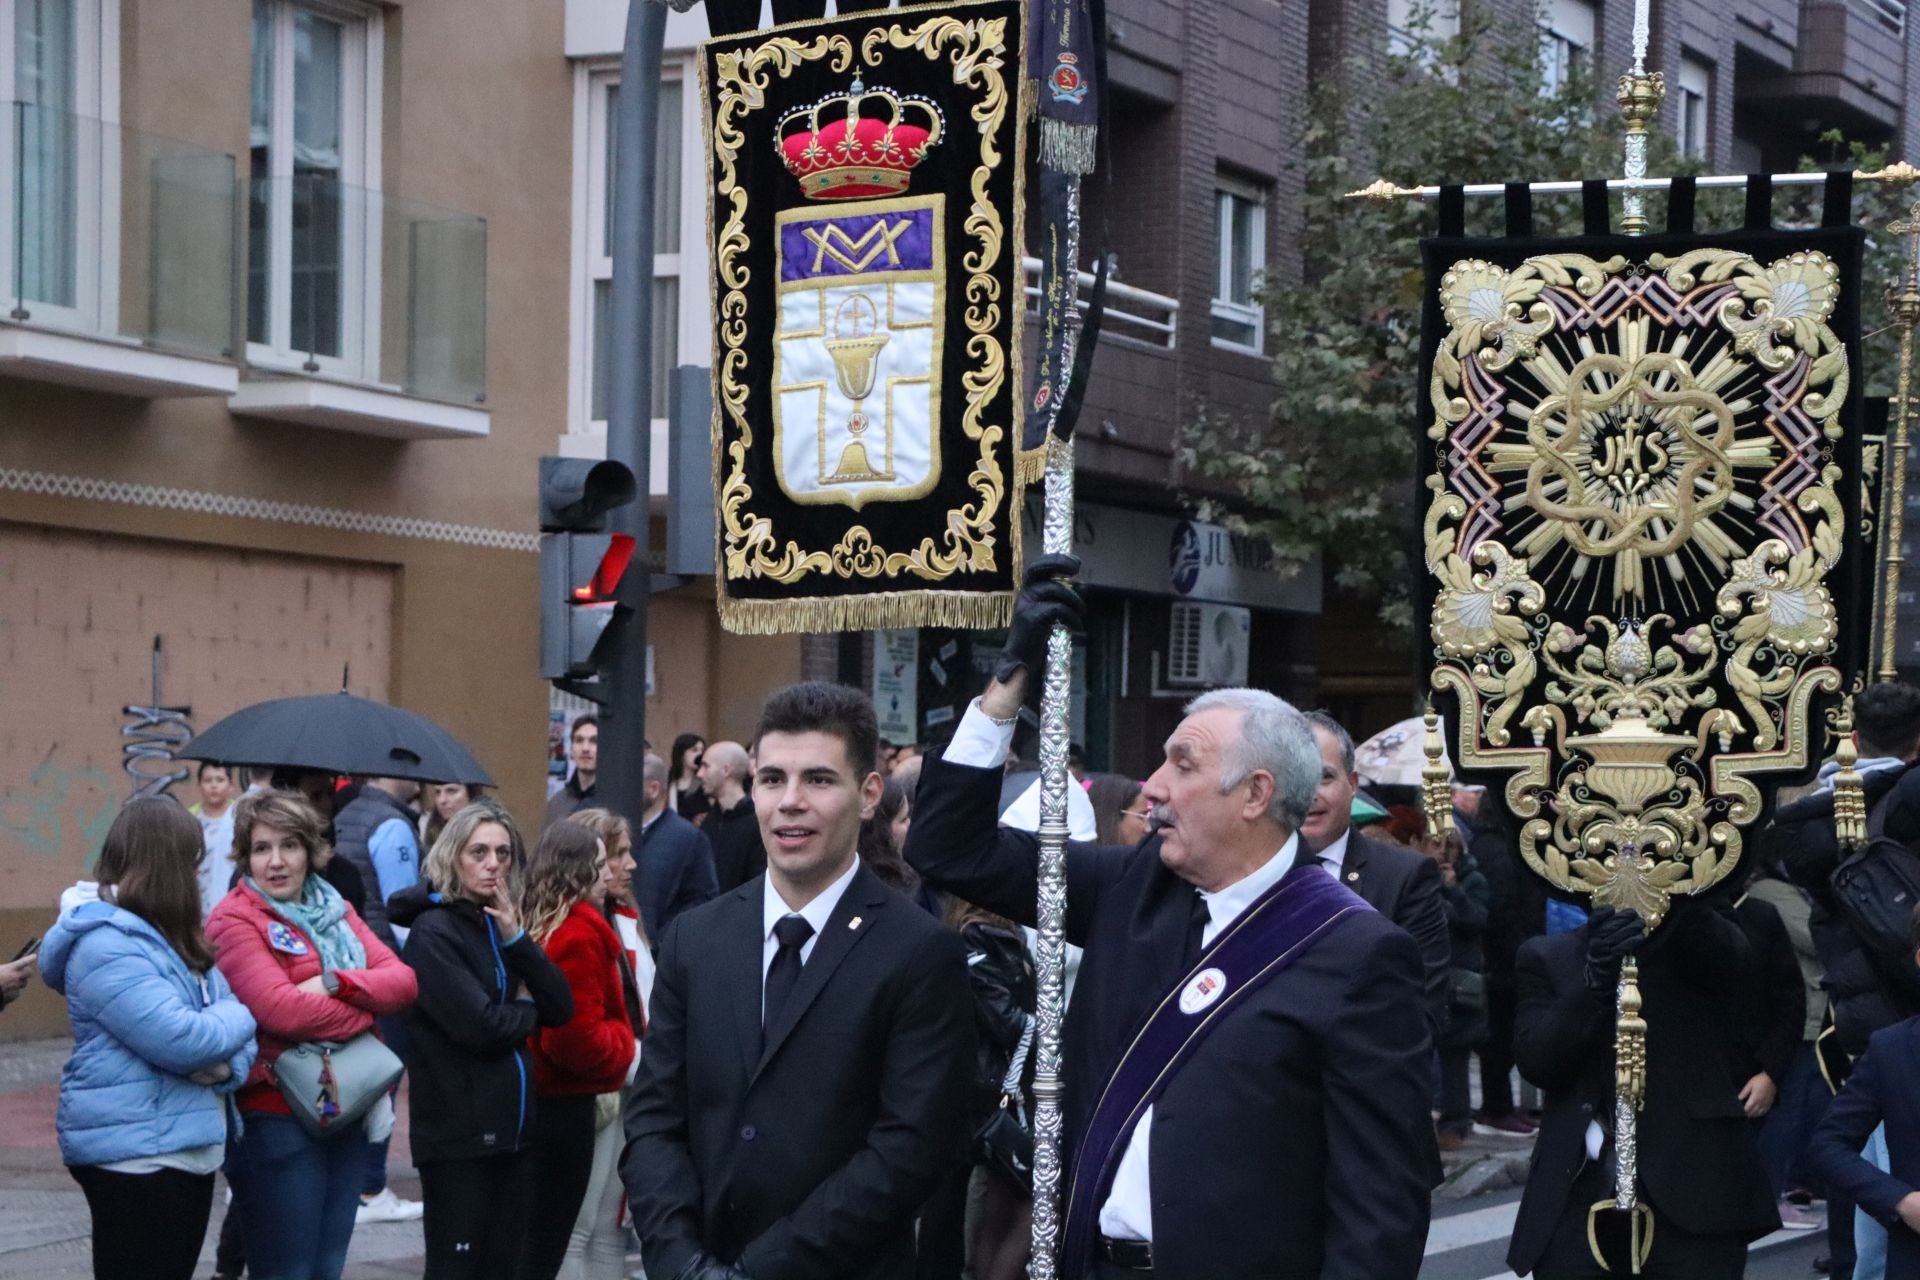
[(321, 913)]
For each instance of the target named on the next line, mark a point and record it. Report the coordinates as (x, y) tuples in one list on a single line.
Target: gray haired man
[(1245, 1084)]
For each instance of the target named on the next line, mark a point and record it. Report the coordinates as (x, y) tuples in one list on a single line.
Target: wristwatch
[(331, 981)]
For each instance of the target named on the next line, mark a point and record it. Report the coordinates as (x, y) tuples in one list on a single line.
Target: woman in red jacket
[(591, 1054), (307, 968)]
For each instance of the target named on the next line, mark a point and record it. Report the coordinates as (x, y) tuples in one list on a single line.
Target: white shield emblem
[(856, 402)]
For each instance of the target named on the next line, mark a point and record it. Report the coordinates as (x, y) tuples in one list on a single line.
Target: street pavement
[(43, 1217)]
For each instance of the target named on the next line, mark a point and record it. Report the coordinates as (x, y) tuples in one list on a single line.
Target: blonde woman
[(466, 1044), (598, 1247), (591, 1054)]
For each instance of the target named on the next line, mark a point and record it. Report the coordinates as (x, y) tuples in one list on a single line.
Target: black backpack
[(1876, 889)]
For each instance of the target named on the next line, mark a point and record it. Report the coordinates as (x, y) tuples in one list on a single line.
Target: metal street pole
[(629, 356)]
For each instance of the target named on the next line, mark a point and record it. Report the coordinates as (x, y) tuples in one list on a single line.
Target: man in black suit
[(674, 868), (1291, 1140), (733, 828), (808, 1065), (1402, 885), (1700, 1169)]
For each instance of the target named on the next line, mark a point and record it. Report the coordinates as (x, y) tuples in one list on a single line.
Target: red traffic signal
[(607, 574)]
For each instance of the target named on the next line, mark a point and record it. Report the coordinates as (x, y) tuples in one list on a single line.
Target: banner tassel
[(1068, 148)]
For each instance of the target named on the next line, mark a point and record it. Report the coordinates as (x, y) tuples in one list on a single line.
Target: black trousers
[(146, 1226), (1676, 1254), (476, 1216), (559, 1166)]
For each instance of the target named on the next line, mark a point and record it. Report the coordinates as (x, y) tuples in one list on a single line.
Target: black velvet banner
[(1642, 546), (864, 216)]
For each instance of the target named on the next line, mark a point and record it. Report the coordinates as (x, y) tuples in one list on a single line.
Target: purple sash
[(1279, 928)]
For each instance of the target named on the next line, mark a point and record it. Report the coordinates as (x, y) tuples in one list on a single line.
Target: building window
[(669, 155), (59, 80), (1566, 44), (1238, 319), (1416, 24), (313, 210), (1696, 89)]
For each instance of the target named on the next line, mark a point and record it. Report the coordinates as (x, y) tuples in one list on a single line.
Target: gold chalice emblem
[(855, 347)]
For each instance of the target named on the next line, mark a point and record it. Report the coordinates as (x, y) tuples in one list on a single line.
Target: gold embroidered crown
[(857, 144)]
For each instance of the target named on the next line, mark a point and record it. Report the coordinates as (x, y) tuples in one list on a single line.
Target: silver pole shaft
[(1711, 182), (1051, 914)]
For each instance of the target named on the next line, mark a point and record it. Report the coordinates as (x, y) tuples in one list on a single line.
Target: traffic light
[(580, 566)]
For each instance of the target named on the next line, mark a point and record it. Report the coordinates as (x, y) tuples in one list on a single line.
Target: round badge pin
[(1206, 986)]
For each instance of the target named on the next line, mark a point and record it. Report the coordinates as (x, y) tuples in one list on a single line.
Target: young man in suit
[(673, 861), (1269, 1118), (1882, 1089), (1699, 1164), (1402, 885), (806, 1080)]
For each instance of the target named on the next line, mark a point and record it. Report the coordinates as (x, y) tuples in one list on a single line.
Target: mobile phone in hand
[(28, 948)]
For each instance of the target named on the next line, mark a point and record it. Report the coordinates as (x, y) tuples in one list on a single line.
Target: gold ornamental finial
[(1849, 795), (1900, 174), (1436, 785), (1380, 191)]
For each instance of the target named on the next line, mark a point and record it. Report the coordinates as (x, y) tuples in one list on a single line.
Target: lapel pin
[(1353, 877), (854, 923)]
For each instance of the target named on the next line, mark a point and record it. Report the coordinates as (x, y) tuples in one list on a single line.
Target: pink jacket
[(265, 959)]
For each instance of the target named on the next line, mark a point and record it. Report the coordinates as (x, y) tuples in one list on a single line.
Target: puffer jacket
[(466, 1044), (142, 1023), (266, 958), (594, 1051)]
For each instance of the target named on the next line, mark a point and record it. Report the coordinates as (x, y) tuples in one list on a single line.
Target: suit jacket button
[(749, 1133)]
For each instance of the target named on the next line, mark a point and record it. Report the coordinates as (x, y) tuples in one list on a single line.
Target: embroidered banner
[(1642, 536), (864, 210)]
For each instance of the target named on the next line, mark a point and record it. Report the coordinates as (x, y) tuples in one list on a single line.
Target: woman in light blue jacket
[(158, 1043)]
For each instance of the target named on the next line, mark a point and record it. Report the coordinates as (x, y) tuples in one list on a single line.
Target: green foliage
[(1332, 469)]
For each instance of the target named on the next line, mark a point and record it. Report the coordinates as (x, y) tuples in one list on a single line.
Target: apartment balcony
[(117, 258), (365, 312), (1849, 62)]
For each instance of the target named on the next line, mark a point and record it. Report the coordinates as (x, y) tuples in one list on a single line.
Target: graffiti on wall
[(153, 735)]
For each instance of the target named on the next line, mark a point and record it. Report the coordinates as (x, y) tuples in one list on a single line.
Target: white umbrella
[(1395, 756)]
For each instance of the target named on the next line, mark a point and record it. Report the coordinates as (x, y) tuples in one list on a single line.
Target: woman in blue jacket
[(158, 1043)]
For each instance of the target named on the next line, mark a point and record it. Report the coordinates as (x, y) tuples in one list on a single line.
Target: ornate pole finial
[(1380, 191), (1849, 795), (1436, 780), (1639, 99)]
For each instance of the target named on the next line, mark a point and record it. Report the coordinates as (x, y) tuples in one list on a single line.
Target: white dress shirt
[(1333, 858), (1128, 1211), (774, 908)]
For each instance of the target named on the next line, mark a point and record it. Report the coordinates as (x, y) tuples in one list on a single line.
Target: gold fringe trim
[(959, 610), (1030, 466)]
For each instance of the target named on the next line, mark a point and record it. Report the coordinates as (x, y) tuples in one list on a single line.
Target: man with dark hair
[(674, 862), (1400, 884), (806, 1080), (583, 744)]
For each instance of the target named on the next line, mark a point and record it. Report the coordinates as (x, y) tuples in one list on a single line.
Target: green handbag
[(330, 1086)]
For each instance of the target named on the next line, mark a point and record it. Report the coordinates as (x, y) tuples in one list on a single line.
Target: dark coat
[(1000, 971), (570, 799), (1884, 1088), (466, 1042), (738, 854), (803, 1154), (1404, 886), (673, 871), (1776, 995), (1467, 907), (1863, 993), (1699, 1166), (353, 828), (1296, 1142)]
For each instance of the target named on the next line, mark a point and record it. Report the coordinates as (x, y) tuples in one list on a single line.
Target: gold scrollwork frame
[(747, 543)]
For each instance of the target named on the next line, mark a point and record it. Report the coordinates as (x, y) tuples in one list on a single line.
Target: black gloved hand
[(706, 1267), (1045, 598), (1612, 935)]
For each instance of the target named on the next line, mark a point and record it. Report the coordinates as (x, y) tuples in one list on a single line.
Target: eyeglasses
[(1145, 815)]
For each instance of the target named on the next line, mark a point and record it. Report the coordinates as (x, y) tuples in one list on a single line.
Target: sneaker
[(387, 1207), (1796, 1217), (1511, 1124)]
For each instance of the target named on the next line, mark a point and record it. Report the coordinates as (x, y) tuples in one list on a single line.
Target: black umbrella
[(339, 733)]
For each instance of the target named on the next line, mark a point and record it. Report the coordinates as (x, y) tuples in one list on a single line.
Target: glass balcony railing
[(367, 287), (111, 232)]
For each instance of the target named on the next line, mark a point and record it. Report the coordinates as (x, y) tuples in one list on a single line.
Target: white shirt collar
[(1334, 856), (816, 913), (1224, 906)]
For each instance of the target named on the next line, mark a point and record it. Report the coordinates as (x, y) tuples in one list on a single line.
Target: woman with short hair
[(309, 969), (589, 1057), (158, 1041), (472, 1094)]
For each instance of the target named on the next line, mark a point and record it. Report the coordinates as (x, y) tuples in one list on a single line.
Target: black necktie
[(792, 933), (1196, 928)]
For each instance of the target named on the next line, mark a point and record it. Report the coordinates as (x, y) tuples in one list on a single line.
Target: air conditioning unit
[(1207, 644)]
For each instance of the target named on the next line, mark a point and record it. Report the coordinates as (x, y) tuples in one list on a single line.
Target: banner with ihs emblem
[(1642, 539), (865, 219)]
